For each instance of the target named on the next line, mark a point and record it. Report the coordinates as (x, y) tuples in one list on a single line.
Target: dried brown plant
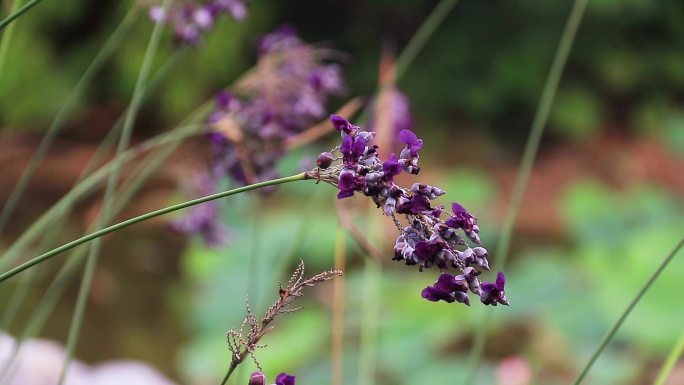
[(242, 346)]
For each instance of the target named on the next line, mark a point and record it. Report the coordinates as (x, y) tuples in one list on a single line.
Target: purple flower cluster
[(259, 378), (284, 95), (428, 240), (190, 20)]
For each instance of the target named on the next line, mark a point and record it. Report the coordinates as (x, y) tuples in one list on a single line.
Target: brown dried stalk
[(242, 346)]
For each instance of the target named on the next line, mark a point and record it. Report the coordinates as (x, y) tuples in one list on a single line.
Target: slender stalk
[(6, 38), (417, 42), (338, 311), (49, 300), (10, 18), (369, 322), (540, 119), (671, 360), (65, 110), (140, 218), (105, 214), (628, 310)]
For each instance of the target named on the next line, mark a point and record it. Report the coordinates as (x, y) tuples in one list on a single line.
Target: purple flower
[(352, 148), (341, 124), (493, 293), (415, 205), (257, 378), (285, 379), (391, 167), (412, 142), (348, 183), (448, 288), (461, 218)]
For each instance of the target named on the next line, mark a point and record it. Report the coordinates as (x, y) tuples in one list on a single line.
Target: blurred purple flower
[(190, 20)]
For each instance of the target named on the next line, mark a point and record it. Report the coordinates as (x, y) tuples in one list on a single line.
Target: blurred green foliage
[(484, 67)]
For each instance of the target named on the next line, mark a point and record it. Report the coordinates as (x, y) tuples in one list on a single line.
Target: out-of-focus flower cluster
[(427, 240), (282, 96), (191, 19)]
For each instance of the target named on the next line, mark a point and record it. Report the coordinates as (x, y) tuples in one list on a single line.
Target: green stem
[(65, 110), (417, 42), (627, 311), (4, 22), (6, 38), (97, 234), (415, 45), (49, 300), (671, 360), (105, 214), (529, 155)]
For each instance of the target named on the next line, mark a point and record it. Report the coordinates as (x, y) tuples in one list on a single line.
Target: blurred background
[(602, 208)]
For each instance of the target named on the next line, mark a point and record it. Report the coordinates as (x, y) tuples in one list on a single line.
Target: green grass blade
[(65, 110), (105, 214), (529, 154), (671, 360), (7, 38), (421, 37), (6, 21), (611, 333), (152, 214)]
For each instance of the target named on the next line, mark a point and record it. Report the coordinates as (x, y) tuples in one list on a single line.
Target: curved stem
[(628, 310), (67, 246), (65, 110), (529, 155), (671, 360), (4, 22)]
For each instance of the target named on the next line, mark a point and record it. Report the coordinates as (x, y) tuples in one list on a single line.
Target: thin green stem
[(49, 300), (670, 361), (65, 110), (4, 22), (416, 44), (529, 155), (369, 320), (105, 214), (228, 373), (420, 38), (97, 234), (6, 38), (627, 311)]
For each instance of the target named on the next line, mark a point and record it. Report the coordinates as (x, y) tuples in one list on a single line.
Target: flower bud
[(324, 160), (257, 378)]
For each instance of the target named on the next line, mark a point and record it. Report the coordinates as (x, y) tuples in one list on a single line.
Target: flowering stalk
[(87, 238), (428, 240)]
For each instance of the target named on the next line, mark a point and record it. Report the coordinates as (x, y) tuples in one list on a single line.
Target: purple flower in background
[(428, 240), (190, 20), (284, 95), (285, 379), (204, 219), (493, 293), (397, 108)]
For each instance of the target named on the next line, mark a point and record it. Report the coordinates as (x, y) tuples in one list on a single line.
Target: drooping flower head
[(426, 239), (192, 19)]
